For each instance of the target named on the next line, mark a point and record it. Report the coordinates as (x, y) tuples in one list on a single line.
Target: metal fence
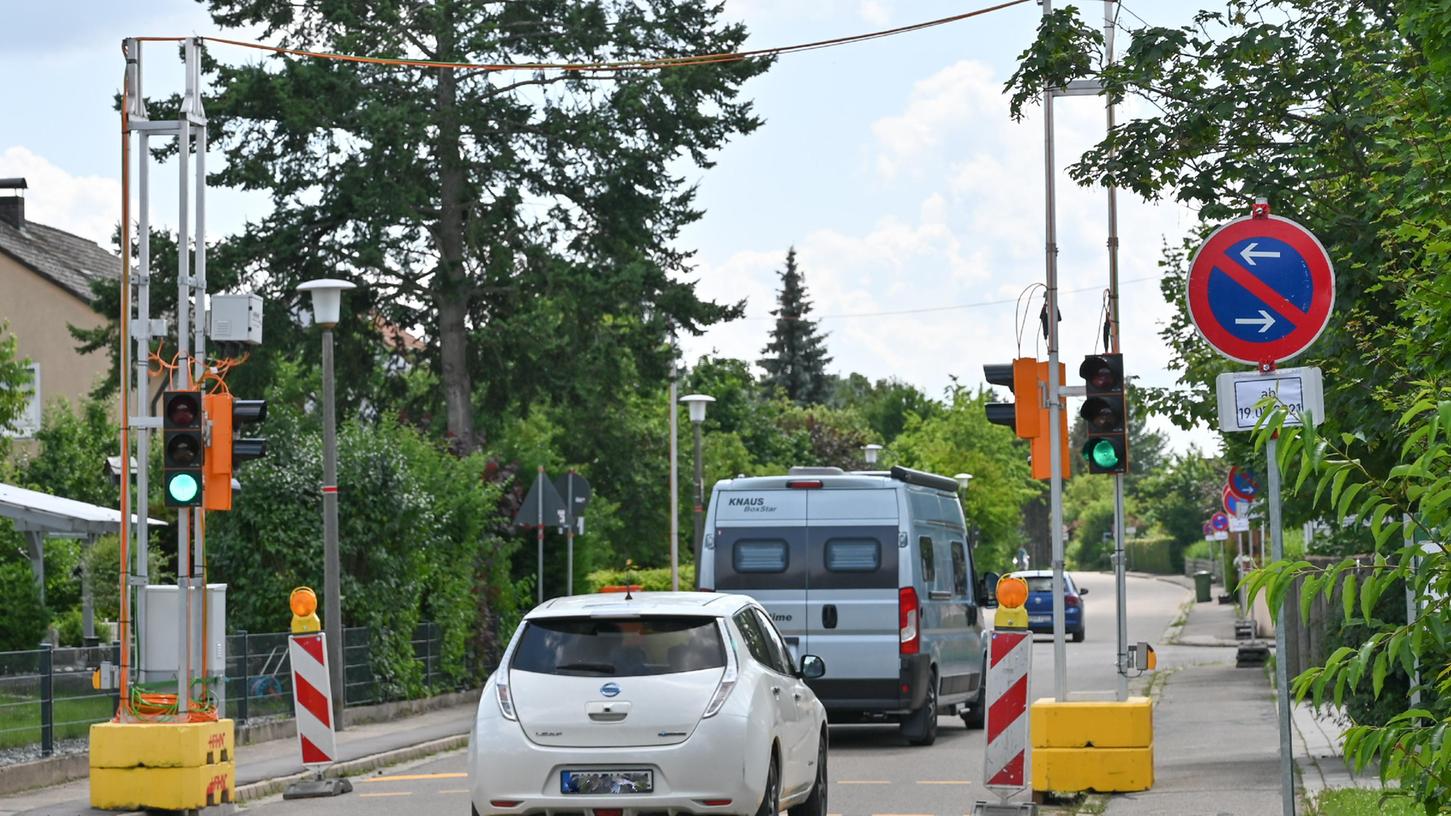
[(46, 694)]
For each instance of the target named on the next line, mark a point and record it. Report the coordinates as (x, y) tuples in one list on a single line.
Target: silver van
[(873, 572)]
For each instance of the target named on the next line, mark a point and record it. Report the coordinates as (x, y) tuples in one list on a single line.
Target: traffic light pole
[(1120, 579), (1055, 404)]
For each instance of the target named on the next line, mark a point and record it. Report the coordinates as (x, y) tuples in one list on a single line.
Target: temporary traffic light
[(1028, 414), (227, 449), (182, 451), (1021, 415), (1105, 413)]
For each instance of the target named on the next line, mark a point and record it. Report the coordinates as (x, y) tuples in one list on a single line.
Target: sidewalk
[(1216, 735), (260, 766)]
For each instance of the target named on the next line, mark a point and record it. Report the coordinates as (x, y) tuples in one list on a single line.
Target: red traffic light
[(1102, 373), (183, 409)]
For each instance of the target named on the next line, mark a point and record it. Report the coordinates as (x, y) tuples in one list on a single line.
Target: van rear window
[(619, 647), (853, 555), (758, 555)]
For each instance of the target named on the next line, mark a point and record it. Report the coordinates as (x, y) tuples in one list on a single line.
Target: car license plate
[(605, 782), (1040, 619)]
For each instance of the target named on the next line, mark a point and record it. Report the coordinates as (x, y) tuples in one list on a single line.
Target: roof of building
[(70, 261), (33, 511)]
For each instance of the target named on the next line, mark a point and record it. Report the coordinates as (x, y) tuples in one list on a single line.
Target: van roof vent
[(816, 471), (918, 477)]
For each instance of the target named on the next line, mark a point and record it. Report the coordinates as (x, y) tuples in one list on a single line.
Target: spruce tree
[(796, 358)]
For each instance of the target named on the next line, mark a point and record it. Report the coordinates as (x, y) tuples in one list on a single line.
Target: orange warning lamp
[(304, 611), (1012, 593)]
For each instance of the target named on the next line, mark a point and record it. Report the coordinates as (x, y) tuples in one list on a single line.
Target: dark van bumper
[(887, 695)]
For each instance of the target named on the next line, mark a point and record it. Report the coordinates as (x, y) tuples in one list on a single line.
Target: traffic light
[(1021, 375), (1105, 413), (1028, 413), (182, 447), (227, 449)]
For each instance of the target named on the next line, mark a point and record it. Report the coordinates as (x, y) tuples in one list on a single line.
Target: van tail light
[(1071, 600), (506, 701), (908, 612), (804, 484)]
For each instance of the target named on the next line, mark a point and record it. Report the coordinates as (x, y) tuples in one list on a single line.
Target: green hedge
[(651, 580), (1154, 555)]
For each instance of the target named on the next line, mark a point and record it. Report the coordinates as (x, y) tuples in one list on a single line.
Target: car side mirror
[(989, 593), (812, 667), (1083, 590)]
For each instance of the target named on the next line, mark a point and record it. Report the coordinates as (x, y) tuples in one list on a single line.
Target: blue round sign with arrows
[(1261, 289)]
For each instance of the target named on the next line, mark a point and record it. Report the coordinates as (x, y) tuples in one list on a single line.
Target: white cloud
[(89, 206), (975, 236), (874, 12)]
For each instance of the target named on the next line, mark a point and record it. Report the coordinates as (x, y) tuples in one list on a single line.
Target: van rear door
[(851, 605), (760, 551)]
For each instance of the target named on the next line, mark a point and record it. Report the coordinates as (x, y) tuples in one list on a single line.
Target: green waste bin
[(1201, 586)]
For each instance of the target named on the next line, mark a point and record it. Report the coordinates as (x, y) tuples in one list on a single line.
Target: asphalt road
[(873, 771)]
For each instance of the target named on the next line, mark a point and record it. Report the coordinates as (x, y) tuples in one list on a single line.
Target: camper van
[(873, 572)]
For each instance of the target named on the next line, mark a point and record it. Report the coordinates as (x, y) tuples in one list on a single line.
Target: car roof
[(1038, 573), (715, 604)]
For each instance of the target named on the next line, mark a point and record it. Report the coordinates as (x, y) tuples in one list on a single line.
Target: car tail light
[(715, 802), (727, 677), (504, 803), (609, 812), (1070, 600), (506, 702), (907, 621)]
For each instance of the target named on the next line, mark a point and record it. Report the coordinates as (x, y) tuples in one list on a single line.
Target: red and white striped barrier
[(1007, 762), (313, 699)]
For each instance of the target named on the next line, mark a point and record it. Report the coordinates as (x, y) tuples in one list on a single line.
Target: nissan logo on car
[(610, 690)]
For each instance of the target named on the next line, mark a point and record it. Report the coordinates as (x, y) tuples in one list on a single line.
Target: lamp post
[(963, 479), (327, 296), (870, 453), (697, 404)]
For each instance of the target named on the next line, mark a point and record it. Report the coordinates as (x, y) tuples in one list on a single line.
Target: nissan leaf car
[(645, 704)]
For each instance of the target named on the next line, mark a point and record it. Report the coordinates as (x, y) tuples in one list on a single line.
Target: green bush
[(1201, 550), (23, 624), (70, 629), (650, 580)]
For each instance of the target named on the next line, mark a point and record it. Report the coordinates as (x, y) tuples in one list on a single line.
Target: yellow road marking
[(385, 793), (412, 777)]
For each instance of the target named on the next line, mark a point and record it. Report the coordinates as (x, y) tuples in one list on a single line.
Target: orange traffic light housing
[(217, 464), (1042, 443)]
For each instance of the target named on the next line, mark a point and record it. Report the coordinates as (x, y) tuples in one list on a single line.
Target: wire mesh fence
[(46, 694)]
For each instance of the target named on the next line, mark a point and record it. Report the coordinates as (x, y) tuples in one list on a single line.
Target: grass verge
[(1361, 802)]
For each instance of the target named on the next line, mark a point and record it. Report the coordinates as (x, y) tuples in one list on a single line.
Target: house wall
[(38, 313)]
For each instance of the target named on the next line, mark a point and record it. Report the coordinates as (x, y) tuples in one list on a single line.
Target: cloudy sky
[(914, 202)]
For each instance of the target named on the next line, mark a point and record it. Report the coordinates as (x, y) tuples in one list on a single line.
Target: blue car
[(1040, 603)]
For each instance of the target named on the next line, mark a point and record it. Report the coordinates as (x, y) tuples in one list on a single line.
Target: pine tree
[(796, 358)]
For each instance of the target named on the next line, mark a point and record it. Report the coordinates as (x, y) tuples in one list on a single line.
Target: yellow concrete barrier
[(162, 766), (1091, 745), (161, 745), (163, 788)]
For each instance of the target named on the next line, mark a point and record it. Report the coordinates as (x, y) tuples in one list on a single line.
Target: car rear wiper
[(599, 668)]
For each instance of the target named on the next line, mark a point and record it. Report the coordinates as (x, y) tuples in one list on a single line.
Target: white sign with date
[(1299, 390)]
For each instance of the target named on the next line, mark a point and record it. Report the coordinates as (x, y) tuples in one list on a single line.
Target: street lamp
[(963, 479), (871, 452), (697, 404), (327, 297)]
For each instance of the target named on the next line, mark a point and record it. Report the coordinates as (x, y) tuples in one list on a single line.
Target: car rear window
[(1040, 583), (619, 647), (760, 555), (853, 555)]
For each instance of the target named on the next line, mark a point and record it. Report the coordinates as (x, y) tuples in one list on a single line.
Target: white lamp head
[(871, 452), (327, 299), (697, 404), (963, 479)]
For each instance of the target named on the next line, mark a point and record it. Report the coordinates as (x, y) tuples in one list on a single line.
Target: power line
[(620, 65), (929, 309)]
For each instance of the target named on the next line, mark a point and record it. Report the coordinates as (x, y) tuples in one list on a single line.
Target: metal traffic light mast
[(199, 448)]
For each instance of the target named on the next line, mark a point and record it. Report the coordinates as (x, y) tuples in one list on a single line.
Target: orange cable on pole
[(621, 65)]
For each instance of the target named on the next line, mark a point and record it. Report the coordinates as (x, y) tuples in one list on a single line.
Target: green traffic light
[(183, 488), (1105, 454)]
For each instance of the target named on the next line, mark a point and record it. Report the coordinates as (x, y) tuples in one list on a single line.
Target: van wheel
[(975, 715), (920, 727)]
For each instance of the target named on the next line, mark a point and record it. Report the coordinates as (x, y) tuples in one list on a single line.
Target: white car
[(656, 703)]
